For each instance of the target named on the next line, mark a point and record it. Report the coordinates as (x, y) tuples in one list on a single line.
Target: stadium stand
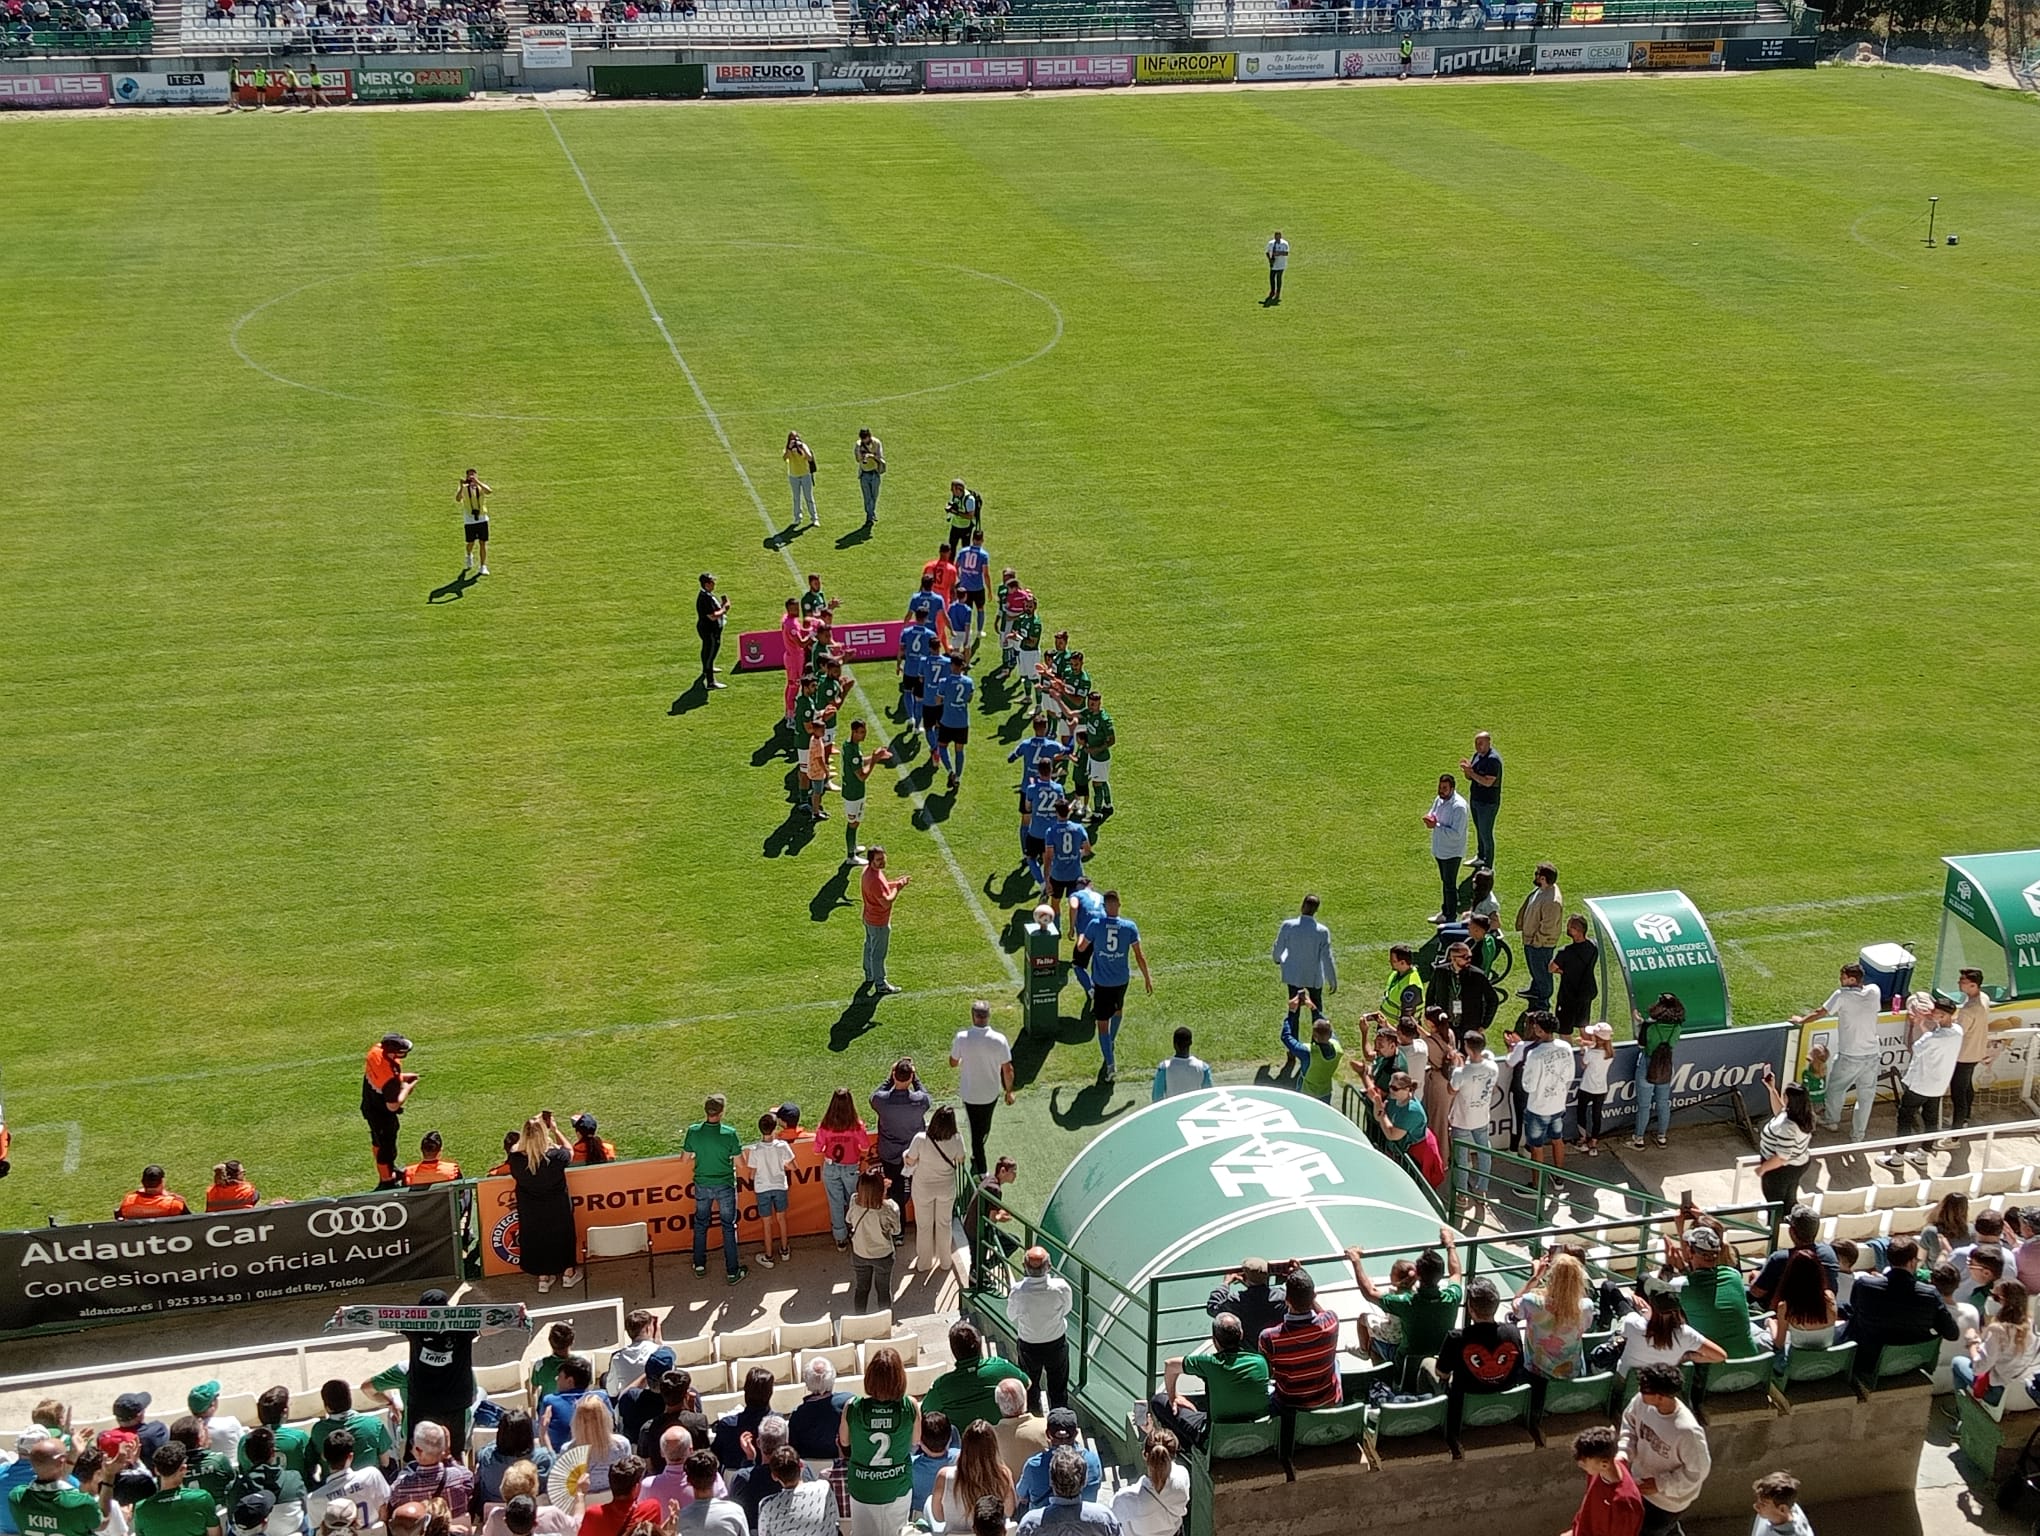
[(1275, 18), (67, 26), (665, 23), (377, 26)]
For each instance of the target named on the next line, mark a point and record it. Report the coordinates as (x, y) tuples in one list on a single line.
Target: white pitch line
[(74, 1139), (931, 826), (1734, 947), (1833, 904)]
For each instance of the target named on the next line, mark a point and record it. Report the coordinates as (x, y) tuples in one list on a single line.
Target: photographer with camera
[(1253, 1294)]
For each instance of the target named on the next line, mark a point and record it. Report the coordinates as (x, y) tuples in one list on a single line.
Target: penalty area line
[(722, 436)]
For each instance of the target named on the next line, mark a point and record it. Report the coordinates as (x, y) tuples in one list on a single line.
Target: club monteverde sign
[(1659, 942)]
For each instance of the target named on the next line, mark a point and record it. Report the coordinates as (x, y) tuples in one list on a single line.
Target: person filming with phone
[(1253, 1293)]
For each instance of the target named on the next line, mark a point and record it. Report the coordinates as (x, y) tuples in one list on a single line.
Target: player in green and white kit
[(1098, 740), (878, 1433), (813, 602), (1027, 645), (857, 766)]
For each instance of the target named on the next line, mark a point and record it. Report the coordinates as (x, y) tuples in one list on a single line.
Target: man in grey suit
[(1303, 949)]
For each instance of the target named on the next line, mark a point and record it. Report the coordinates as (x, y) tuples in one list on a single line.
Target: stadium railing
[(1982, 1137), (136, 37), (1274, 18)]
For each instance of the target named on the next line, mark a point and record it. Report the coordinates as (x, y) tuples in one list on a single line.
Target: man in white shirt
[(984, 1073), (1474, 1076), (1038, 1307), (1278, 263), (1926, 1078), (366, 1486), (1303, 948), (1548, 1070), (1448, 819), (1858, 1050), (1664, 1448), (1182, 1072), (627, 1361)]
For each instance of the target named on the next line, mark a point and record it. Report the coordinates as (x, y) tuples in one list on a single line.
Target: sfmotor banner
[(1053, 73), (758, 649), (207, 89), (1374, 63), (1563, 56), (1166, 68), (291, 87), (112, 1270), (1484, 59), (887, 77), (761, 77), (1769, 53), (40, 91), (1660, 943), (977, 74), (1291, 65), (659, 1191), (413, 85), (1683, 53), (546, 47)]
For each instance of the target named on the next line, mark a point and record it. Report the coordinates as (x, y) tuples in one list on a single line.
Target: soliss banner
[(658, 1191), (1049, 72), (116, 1270), (1683, 53), (36, 92), (1183, 68), (1005, 74), (760, 650)]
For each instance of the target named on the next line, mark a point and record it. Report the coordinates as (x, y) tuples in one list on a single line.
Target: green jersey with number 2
[(881, 1450)]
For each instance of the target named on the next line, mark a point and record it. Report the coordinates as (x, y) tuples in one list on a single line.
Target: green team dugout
[(1990, 921), (1172, 1195)]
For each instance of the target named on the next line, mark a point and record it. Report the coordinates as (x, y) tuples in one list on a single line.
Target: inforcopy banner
[(867, 77), (1292, 64), (1680, 53), (1181, 68), (1049, 73), (1484, 59), (1007, 74), (207, 89), (38, 92), (1553, 57), (1375, 63)]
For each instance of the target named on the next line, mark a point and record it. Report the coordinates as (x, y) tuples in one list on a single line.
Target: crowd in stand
[(375, 24), (21, 19), (934, 21)]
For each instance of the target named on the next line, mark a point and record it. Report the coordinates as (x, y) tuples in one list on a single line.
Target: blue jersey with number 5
[(1112, 941)]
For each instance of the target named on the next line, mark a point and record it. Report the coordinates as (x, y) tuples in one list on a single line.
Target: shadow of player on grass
[(454, 590), (793, 834), (778, 745), (1031, 1048), (785, 536), (835, 893), (859, 1019), (691, 700), (934, 808), (1016, 890), (1088, 1106), (861, 534)]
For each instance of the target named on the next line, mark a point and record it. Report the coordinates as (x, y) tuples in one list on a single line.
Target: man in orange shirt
[(879, 895), (385, 1085), (230, 1189), (943, 569), (431, 1168), (151, 1200)]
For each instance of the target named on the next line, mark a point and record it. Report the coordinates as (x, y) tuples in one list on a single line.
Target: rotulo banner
[(1484, 59), (762, 77), (1680, 53), (867, 77), (999, 74), (1377, 63), (115, 1270), (1291, 64), (1054, 72), (658, 1191), (1183, 68), (413, 84), (209, 88), (1555, 57)]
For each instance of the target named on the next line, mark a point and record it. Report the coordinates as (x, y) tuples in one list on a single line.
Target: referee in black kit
[(710, 614)]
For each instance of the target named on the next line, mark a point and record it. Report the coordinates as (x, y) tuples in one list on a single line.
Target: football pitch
[(1630, 420)]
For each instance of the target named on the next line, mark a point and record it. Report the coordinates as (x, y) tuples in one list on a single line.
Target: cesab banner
[(546, 47), (1377, 63), (1768, 53), (208, 89), (413, 85), (762, 77), (1681, 53), (977, 74), (759, 650), (115, 1270), (41, 92), (292, 87), (1291, 65), (1062, 70), (1485, 59), (658, 1191), (853, 77), (1183, 68), (1553, 57)]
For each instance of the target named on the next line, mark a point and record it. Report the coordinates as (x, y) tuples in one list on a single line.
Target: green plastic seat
[(1400, 1421), (1354, 1385), (1332, 1426), (1907, 1360), (1230, 1442), (1483, 1410), (1581, 1394), (1808, 1365), (1740, 1373)]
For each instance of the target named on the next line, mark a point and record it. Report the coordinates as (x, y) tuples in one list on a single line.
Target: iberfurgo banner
[(761, 77), (111, 1271)]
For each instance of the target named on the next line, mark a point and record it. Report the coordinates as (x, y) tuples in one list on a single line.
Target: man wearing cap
[(52, 1505), (176, 1508), (715, 1148), (1248, 1296), (437, 1382), (223, 1430), (129, 1410), (1716, 1300), (435, 1473), (1031, 1488), (250, 1514), (1038, 1306), (588, 1146), (711, 613), (431, 1168), (385, 1086), (151, 1200)]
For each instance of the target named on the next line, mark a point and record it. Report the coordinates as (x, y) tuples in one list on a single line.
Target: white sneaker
[(544, 1284), (485, 570), (764, 1258)]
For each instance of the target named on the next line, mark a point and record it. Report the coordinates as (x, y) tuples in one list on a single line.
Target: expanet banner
[(413, 85), (38, 92), (1180, 68), (761, 649), (1376, 63), (1681, 53), (210, 88), (1061, 70), (114, 1270), (1007, 74), (761, 77), (1293, 64), (853, 77), (1552, 57), (1484, 59)]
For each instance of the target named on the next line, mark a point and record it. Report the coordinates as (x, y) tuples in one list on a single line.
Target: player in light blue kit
[(1114, 940), (957, 692), (1087, 910), (917, 648), (1068, 842), (1038, 799), (973, 572)]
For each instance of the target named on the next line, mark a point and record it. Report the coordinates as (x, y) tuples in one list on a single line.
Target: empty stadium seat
[(1858, 1227), (921, 1377), (709, 1376), (694, 1350), (906, 1345), (1949, 1184), (1486, 1410), (787, 1396), (1886, 1197), (743, 1342), (1344, 1425), (2004, 1181), (723, 1402), (1582, 1394), (505, 1378), (780, 1365), (1397, 1421), (819, 1334), (1808, 1365), (1897, 1361), (842, 1356), (1844, 1202), (308, 1405), (860, 1326), (1738, 1373), (1231, 1442)]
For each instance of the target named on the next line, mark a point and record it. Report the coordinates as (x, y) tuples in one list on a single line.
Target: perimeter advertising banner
[(759, 649), (2014, 1046), (1681, 53), (1007, 74), (658, 1191), (292, 87), (1377, 63), (1294, 64), (546, 47), (1552, 57), (1769, 53), (1183, 68), (645, 82), (114, 1270), (868, 77), (1062, 70), (761, 77), (42, 92), (210, 88), (1485, 59), (413, 84)]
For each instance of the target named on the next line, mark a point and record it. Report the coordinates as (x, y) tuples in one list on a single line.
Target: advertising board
[(1678, 53), (262, 87), (1484, 59), (1183, 68), (1050, 72), (1003, 74), (413, 84), (761, 77), (1382, 63), (209, 88), (1290, 64), (35, 93), (867, 77), (546, 47), (1554, 57), (760, 649)]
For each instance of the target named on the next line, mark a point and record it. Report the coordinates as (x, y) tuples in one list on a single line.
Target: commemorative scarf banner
[(489, 1319), (114, 1271)]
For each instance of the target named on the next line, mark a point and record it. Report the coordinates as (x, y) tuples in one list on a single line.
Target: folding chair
[(624, 1241)]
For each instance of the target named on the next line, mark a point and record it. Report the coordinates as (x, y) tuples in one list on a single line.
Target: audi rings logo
[(354, 1220)]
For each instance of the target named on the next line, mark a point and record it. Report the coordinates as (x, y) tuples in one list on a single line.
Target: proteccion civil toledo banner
[(1183, 68)]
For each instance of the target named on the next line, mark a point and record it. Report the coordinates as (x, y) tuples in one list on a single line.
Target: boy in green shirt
[(175, 1508), (372, 1446), (545, 1370), (715, 1148)]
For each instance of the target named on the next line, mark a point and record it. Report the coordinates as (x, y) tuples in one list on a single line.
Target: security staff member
[(385, 1085), (710, 614)]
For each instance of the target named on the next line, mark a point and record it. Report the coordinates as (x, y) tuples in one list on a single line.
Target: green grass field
[(1628, 419)]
